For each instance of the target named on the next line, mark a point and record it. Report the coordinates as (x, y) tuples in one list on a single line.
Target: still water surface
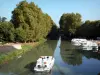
[(68, 60)]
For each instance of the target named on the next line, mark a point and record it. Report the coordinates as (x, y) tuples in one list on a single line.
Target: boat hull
[(49, 65)]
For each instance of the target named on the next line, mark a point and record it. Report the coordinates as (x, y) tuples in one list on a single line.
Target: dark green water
[(68, 61)]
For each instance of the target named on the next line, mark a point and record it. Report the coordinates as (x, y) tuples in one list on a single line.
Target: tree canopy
[(71, 25), (54, 33), (89, 29), (69, 22), (30, 23), (6, 31), (2, 19)]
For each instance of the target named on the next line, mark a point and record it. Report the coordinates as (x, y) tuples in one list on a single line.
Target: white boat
[(77, 41), (44, 64), (84, 44), (89, 45)]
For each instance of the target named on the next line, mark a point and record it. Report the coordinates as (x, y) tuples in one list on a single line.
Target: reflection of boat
[(90, 54), (44, 64)]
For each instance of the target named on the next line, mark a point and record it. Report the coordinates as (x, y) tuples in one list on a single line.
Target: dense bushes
[(6, 31), (54, 33), (28, 24)]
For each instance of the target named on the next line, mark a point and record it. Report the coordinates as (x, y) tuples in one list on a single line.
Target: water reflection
[(24, 65), (91, 54), (72, 56), (79, 62), (69, 54), (68, 61)]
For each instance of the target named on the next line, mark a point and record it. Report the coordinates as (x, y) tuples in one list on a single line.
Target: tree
[(0, 19), (6, 31), (69, 22), (4, 19), (20, 34), (89, 29), (31, 20), (54, 33)]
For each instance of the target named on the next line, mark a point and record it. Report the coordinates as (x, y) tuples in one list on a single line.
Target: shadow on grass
[(31, 66)]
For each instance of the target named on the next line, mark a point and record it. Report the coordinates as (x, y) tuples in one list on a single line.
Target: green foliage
[(20, 34), (16, 53), (71, 25), (54, 33), (0, 19), (89, 29), (69, 22), (30, 22), (6, 31)]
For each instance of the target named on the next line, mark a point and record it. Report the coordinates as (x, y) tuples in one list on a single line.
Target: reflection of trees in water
[(17, 66), (46, 48), (69, 54), (91, 54)]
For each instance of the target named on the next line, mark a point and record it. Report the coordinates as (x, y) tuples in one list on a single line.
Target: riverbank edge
[(5, 58)]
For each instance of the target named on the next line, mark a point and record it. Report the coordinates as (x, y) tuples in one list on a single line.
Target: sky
[(89, 9)]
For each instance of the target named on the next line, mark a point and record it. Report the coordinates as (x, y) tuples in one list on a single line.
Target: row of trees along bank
[(28, 24), (71, 26), (89, 29)]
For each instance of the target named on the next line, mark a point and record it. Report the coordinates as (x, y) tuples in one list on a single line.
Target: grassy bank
[(5, 58)]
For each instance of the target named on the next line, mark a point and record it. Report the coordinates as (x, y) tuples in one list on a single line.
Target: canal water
[(68, 60)]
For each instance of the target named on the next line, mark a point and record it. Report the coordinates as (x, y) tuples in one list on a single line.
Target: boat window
[(47, 57), (45, 65), (39, 66)]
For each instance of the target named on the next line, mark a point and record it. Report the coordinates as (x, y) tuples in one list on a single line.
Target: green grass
[(11, 55)]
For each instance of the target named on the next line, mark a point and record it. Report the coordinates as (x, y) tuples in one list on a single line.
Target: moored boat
[(84, 44), (89, 45), (77, 41)]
